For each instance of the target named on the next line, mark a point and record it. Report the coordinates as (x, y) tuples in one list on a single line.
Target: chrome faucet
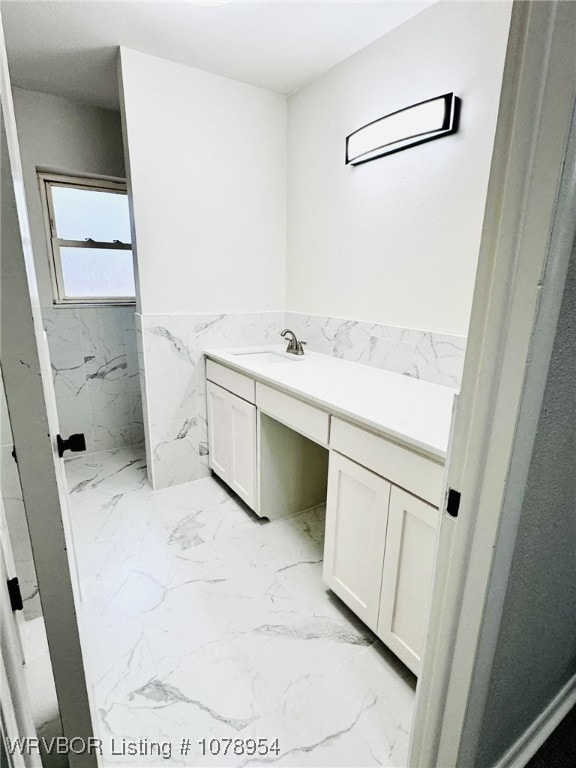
[(295, 347)]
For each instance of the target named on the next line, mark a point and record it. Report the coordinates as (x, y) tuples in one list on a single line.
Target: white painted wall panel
[(396, 240), (207, 158)]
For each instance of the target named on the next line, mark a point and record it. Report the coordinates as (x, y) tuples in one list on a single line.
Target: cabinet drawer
[(420, 475), (231, 380), (304, 418)]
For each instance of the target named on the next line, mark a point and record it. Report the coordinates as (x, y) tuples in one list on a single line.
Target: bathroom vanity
[(290, 432)]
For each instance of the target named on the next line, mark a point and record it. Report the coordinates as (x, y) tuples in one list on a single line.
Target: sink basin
[(265, 358)]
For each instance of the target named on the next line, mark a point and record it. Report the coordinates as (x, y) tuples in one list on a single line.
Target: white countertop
[(413, 412)]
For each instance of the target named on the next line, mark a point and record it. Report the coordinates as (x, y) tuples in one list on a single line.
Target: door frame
[(528, 235), (30, 397)]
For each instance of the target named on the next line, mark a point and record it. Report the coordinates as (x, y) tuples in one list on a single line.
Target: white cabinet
[(274, 469), (271, 449), (242, 466), (379, 555), (356, 518), (421, 475), (218, 429), (232, 436), (407, 576)]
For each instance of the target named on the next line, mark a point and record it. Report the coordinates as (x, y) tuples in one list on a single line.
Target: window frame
[(48, 180)]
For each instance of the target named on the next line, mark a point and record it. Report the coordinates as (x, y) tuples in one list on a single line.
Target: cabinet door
[(407, 578), (356, 518), (242, 467), (219, 430)]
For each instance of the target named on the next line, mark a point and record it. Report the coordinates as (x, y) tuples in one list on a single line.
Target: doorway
[(164, 696)]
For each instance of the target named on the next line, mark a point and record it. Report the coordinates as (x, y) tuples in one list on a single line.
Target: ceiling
[(68, 48)]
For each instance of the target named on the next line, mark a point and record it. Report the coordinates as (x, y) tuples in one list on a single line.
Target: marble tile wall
[(13, 503), (96, 376), (96, 379), (172, 379), (435, 357), (172, 370)]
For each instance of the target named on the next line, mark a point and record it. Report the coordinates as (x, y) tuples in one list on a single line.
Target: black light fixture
[(428, 120)]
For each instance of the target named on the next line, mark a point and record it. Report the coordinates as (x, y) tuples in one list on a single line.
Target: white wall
[(396, 240), (207, 159), (67, 137)]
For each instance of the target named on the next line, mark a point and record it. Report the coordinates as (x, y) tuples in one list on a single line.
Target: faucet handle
[(294, 346)]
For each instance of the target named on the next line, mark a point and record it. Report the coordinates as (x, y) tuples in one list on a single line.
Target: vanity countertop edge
[(409, 411)]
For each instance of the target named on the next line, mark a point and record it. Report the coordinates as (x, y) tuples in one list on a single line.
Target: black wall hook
[(75, 443)]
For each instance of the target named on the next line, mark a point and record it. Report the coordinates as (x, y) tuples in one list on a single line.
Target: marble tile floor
[(201, 621)]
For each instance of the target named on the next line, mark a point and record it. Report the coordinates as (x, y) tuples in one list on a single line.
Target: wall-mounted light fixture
[(405, 128)]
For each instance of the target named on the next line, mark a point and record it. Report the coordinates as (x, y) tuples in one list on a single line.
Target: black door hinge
[(453, 502), (15, 594), (14, 456)]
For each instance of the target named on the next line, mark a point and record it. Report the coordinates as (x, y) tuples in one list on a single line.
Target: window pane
[(97, 272), (82, 213)]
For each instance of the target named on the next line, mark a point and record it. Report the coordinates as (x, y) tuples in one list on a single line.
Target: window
[(88, 226)]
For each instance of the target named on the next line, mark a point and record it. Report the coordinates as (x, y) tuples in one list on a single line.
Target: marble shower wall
[(95, 369), (13, 503), (172, 375), (435, 357)]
